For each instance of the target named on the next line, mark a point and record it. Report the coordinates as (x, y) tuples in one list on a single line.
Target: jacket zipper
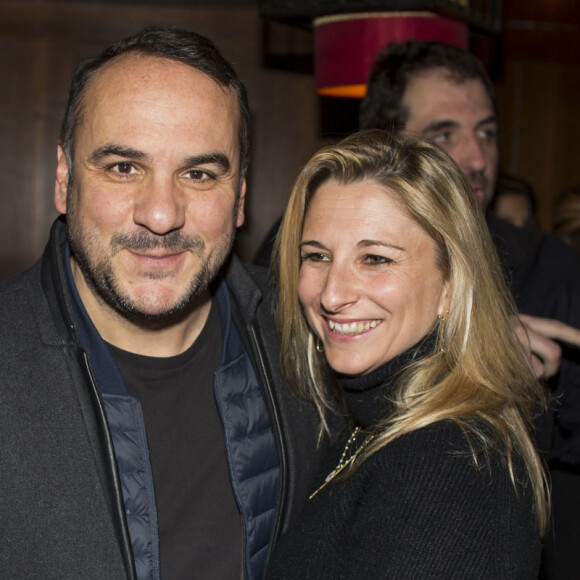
[(277, 430)]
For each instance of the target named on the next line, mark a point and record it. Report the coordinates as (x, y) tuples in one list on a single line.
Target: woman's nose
[(340, 289)]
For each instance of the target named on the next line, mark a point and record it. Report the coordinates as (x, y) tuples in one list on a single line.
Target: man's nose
[(160, 206), (473, 156)]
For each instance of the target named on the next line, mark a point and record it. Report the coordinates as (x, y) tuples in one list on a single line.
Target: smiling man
[(145, 429), (153, 198)]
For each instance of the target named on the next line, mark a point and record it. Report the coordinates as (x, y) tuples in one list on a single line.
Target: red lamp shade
[(345, 45)]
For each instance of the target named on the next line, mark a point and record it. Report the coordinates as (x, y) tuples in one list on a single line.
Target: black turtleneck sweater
[(419, 508)]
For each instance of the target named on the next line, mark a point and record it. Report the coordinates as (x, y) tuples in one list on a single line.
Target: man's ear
[(61, 184), (241, 201)]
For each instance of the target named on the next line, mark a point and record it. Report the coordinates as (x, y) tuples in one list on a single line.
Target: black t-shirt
[(199, 522)]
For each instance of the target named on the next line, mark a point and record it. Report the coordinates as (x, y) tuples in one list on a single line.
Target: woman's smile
[(370, 284), (352, 328)]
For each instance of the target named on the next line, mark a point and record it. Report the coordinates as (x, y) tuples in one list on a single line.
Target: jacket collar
[(108, 375), (54, 286), (246, 294)]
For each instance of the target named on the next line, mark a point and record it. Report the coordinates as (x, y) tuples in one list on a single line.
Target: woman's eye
[(314, 257), (374, 260)]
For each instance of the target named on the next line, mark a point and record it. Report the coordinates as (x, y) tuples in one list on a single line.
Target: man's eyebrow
[(443, 124), (117, 151), (487, 120), (435, 126), (208, 159), (129, 153)]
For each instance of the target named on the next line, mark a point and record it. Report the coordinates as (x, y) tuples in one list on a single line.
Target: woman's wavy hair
[(477, 376)]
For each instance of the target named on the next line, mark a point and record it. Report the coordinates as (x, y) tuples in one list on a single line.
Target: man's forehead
[(135, 94), (140, 71), (438, 95)]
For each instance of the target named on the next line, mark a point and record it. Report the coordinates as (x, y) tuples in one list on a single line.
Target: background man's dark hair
[(382, 107), (184, 46)]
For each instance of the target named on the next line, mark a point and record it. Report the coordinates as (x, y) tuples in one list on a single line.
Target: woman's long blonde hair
[(478, 375)]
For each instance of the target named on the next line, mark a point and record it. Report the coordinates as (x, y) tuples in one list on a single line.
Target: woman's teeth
[(352, 327)]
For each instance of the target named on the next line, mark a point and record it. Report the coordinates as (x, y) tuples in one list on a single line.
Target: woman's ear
[(443, 308)]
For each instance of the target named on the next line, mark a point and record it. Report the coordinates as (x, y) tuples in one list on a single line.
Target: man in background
[(442, 93), (514, 201), (145, 431)]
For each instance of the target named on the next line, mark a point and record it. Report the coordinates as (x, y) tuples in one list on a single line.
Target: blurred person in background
[(566, 217), (514, 201)]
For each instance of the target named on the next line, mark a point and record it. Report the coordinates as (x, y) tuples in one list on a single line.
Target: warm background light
[(345, 45)]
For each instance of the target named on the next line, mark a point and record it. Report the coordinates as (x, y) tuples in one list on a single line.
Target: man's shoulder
[(16, 287), (24, 315), (531, 248)]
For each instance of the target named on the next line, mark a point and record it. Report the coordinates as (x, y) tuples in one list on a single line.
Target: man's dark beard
[(101, 280), (478, 179)]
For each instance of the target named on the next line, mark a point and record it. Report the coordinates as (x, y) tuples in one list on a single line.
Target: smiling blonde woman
[(392, 306)]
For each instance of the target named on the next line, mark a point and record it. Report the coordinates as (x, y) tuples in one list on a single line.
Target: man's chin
[(483, 197), (154, 316)]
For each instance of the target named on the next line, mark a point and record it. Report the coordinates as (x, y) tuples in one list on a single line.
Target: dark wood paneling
[(538, 89)]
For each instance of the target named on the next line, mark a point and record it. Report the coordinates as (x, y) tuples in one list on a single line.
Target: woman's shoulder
[(446, 454), (447, 439)]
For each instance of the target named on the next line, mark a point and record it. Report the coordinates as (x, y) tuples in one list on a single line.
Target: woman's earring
[(319, 345), (440, 324)]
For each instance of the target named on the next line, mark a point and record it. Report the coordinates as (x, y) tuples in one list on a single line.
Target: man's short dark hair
[(176, 44), (382, 107)]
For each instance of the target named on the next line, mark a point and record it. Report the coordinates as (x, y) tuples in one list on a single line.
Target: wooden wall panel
[(41, 42), (538, 108), (538, 91)]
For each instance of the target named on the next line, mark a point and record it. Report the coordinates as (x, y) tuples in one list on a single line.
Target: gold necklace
[(344, 462)]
